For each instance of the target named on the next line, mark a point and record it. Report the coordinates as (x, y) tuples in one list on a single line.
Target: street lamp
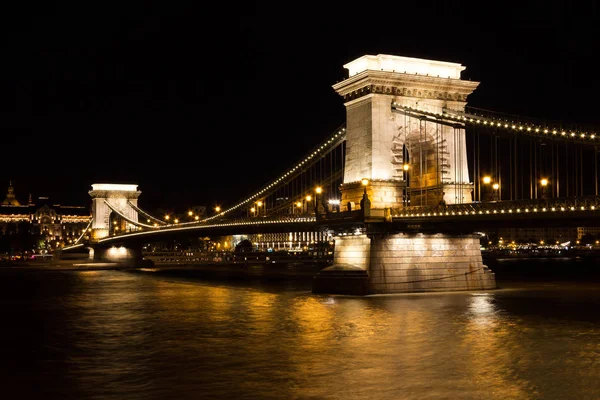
[(365, 203), (365, 182), (406, 178), (544, 183), (318, 191), (496, 188), (487, 180)]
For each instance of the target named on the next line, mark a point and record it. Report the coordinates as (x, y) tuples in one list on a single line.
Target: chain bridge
[(401, 187)]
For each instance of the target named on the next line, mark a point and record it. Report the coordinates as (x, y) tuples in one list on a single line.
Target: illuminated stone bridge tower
[(403, 156), (381, 141), (108, 201)]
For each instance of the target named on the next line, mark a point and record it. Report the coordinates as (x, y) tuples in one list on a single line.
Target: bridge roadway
[(456, 218), (375, 251), (233, 227)]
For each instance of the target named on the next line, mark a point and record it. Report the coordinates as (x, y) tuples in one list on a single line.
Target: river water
[(183, 334)]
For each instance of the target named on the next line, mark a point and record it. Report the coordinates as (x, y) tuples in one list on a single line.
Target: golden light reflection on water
[(260, 308), (312, 320), (284, 344), (490, 349), (217, 299)]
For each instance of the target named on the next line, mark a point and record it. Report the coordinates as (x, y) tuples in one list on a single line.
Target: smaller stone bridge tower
[(109, 199)]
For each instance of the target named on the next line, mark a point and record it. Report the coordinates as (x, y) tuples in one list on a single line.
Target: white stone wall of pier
[(421, 263), (352, 250)]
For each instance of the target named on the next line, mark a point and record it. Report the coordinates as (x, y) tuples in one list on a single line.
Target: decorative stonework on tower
[(109, 199), (404, 157)]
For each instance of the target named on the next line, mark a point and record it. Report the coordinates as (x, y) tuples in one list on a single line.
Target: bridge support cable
[(522, 125), (126, 218), (73, 246), (290, 202), (145, 214), (304, 171), (523, 153), (596, 170), (83, 233)]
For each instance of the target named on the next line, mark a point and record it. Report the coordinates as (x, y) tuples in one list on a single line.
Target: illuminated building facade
[(54, 224), (548, 234)]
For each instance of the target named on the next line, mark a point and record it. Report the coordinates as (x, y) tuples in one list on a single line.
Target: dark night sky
[(202, 104)]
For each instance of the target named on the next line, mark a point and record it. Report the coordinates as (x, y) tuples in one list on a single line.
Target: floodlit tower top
[(114, 186), (409, 65)]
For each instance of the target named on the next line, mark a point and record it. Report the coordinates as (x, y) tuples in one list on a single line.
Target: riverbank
[(219, 268), (505, 269), (61, 265), (545, 269)]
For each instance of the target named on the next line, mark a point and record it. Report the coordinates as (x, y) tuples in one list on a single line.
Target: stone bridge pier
[(404, 263), (129, 255)]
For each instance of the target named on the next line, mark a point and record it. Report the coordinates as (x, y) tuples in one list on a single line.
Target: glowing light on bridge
[(494, 122), (114, 186), (181, 228), (331, 142), (497, 211)]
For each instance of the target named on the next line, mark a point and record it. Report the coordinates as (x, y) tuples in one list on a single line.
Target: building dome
[(10, 199)]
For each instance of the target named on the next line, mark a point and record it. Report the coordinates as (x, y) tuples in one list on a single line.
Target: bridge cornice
[(400, 84), (108, 194)]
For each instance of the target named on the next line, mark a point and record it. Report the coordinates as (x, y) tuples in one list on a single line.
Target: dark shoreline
[(511, 268)]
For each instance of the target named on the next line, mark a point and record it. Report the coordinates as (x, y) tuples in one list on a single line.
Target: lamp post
[(486, 180), (365, 203), (308, 200), (318, 191), (364, 182), (544, 183), (496, 188), (406, 177)]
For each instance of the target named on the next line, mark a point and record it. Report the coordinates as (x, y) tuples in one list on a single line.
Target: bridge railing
[(510, 206)]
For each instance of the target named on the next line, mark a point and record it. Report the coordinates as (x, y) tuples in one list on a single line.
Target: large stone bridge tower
[(401, 156), (109, 199), (381, 143)]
